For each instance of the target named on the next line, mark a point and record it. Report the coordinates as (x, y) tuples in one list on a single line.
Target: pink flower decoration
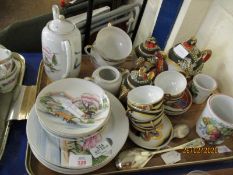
[(91, 142)]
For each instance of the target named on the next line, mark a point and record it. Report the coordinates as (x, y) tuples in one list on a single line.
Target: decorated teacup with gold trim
[(155, 138), (146, 98)]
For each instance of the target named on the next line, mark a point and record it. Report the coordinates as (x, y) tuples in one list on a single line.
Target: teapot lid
[(59, 24), (5, 54)]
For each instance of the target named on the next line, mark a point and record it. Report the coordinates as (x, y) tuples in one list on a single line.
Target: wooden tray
[(36, 168)]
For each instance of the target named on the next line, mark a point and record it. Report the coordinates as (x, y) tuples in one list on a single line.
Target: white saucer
[(69, 119), (47, 151)]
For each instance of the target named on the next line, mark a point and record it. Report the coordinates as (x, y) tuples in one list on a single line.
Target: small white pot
[(107, 77)]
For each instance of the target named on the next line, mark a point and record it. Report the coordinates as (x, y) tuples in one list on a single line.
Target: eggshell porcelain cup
[(113, 43), (173, 83), (202, 87), (216, 121), (99, 60), (147, 98)]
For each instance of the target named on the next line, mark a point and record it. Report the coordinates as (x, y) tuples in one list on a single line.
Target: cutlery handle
[(194, 143), (167, 150)]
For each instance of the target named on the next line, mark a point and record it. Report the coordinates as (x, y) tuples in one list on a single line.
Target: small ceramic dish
[(173, 83), (72, 107), (145, 97), (180, 106), (157, 139)]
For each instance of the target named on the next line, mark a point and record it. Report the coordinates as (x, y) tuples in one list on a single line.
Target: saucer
[(158, 141), (72, 107), (180, 106), (47, 148)]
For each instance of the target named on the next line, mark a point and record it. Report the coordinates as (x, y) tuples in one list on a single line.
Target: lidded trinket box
[(148, 48)]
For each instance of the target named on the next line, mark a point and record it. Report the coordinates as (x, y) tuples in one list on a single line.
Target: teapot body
[(61, 48)]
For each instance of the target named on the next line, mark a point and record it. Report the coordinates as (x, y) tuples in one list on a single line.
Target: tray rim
[(30, 171), (20, 58), (164, 166)]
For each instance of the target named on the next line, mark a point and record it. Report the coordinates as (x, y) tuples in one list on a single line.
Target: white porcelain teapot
[(61, 47)]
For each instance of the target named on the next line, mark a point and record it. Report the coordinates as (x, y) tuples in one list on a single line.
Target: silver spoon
[(137, 157)]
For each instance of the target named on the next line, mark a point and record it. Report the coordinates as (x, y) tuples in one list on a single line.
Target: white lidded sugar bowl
[(61, 47)]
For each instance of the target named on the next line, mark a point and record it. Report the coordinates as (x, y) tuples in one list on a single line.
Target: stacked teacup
[(177, 98), (149, 126), (111, 47), (9, 70)]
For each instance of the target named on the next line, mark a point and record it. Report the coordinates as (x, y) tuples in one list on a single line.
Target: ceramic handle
[(86, 48), (205, 55), (89, 79), (68, 51), (56, 12)]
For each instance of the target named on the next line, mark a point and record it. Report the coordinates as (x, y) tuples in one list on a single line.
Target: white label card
[(101, 149), (69, 106), (223, 149), (180, 51), (171, 157), (80, 160)]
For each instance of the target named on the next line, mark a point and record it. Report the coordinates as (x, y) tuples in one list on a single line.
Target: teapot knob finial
[(61, 17), (56, 11)]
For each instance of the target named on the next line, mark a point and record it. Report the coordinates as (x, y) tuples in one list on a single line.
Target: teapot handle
[(86, 49), (205, 55), (68, 58)]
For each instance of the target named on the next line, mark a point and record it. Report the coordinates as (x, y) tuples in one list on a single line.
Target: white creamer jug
[(61, 47)]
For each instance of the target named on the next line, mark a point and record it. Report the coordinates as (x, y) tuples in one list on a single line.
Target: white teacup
[(107, 77), (173, 83), (146, 97), (202, 87), (113, 43), (216, 121), (99, 60)]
